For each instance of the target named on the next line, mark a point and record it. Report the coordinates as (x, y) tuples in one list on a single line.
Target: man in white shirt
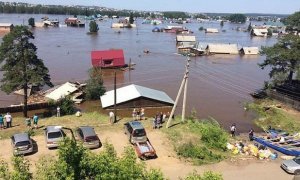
[(8, 120), (111, 117)]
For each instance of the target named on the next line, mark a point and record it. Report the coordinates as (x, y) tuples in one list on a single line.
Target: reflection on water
[(219, 85)]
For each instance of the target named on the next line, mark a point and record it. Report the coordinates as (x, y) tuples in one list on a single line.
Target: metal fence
[(285, 98)]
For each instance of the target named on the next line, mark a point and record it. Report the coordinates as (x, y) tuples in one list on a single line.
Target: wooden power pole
[(115, 97), (183, 84)]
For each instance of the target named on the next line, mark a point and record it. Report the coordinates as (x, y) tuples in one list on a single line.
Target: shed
[(259, 32), (108, 58), (180, 38), (249, 50), (6, 26), (132, 96), (211, 30), (222, 49)]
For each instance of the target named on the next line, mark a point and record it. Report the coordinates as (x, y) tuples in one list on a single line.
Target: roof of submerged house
[(108, 54), (223, 48)]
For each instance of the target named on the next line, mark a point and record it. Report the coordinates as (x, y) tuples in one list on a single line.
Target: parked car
[(53, 135), (88, 137), (292, 166), (135, 132), (22, 144)]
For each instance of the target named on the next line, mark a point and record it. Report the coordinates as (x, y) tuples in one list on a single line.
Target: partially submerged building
[(6, 27), (134, 96), (211, 30), (181, 38), (222, 49), (74, 22), (113, 58), (260, 32), (249, 50)]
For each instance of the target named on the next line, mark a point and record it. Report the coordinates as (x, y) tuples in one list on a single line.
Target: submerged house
[(180, 39), (74, 22), (222, 49), (6, 27), (134, 96), (113, 58), (211, 30), (249, 50), (260, 32)]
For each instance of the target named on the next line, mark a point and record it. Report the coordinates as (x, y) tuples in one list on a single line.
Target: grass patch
[(270, 115), (199, 141)]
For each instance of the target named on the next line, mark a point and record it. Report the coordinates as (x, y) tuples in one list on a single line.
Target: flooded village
[(202, 76)]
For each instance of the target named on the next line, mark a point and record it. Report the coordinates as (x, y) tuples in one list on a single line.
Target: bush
[(66, 106), (93, 27), (31, 22), (201, 28), (207, 175)]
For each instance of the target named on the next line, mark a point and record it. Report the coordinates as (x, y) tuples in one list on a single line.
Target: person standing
[(111, 117), (58, 111), (28, 122), (138, 114), (251, 133), (142, 113), (233, 129), (134, 114), (8, 120), (35, 121), (1, 122)]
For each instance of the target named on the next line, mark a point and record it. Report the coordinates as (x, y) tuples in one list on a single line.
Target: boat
[(290, 149)]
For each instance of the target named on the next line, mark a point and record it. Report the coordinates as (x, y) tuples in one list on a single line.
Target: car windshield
[(53, 135), (139, 132), (297, 160), (22, 143)]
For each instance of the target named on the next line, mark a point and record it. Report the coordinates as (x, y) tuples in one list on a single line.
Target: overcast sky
[(222, 6)]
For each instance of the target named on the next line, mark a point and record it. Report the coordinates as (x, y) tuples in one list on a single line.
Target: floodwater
[(218, 86)]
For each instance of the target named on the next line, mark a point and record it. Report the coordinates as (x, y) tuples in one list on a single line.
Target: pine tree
[(20, 65)]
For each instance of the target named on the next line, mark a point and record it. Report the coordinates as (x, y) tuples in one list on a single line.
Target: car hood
[(291, 163)]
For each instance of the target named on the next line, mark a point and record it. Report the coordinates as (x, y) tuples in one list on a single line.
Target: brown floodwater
[(218, 87)]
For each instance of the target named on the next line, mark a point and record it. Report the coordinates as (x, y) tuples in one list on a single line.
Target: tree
[(249, 27), (293, 22), (20, 65), (237, 18), (94, 86), (31, 22), (94, 27), (131, 20), (283, 58), (66, 105), (222, 23), (270, 32)]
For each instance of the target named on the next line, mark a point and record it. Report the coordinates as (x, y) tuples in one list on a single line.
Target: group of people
[(138, 114), (159, 119), (8, 121), (35, 120), (233, 132)]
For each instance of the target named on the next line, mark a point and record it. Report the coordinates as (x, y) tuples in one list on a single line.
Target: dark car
[(53, 136), (22, 144), (135, 132), (88, 137)]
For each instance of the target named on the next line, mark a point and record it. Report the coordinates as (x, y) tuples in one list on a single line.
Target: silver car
[(292, 166), (88, 137), (135, 132), (22, 144), (53, 136)]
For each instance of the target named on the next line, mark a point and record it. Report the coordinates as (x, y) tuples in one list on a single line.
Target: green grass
[(270, 115), (200, 142)]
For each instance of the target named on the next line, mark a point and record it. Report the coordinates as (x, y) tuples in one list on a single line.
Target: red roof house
[(108, 58)]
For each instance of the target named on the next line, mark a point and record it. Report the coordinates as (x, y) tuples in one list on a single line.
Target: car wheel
[(297, 172)]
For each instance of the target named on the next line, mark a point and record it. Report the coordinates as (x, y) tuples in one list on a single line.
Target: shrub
[(207, 175), (66, 105), (93, 27), (201, 28)]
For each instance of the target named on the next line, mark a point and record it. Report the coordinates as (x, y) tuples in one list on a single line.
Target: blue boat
[(294, 151)]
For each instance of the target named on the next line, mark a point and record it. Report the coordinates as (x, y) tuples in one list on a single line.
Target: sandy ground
[(171, 166)]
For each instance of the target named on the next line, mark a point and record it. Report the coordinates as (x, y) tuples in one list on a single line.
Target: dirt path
[(167, 161)]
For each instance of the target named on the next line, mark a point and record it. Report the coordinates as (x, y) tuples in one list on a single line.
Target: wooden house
[(222, 49), (108, 58)]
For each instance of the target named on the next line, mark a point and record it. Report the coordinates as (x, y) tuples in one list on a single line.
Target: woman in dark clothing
[(251, 133)]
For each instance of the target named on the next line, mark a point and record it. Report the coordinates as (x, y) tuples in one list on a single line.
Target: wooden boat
[(290, 149), (145, 150)]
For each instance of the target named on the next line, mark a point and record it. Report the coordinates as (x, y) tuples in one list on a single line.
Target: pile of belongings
[(260, 152)]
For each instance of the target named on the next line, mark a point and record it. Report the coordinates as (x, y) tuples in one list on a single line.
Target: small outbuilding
[(222, 49), (211, 30), (113, 58), (249, 50), (180, 39), (134, 96), (260, 32)]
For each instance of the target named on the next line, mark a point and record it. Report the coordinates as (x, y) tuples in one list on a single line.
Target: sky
[(194, 6)]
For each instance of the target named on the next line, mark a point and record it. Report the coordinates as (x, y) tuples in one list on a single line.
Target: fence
[(19, 108), (285, 98)]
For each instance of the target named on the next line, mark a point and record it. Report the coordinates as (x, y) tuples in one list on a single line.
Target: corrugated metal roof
[(62, 91), (131, 92), (223, 48), (185, 38), (259, 32), (250, 50), (108, 54)]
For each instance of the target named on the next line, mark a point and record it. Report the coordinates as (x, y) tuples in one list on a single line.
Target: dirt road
[(167, 160)]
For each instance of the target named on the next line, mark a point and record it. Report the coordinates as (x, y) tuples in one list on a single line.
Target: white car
[(292, 166)]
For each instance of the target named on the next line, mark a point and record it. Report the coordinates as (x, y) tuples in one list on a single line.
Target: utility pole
[(115, 97), (183, 84)]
